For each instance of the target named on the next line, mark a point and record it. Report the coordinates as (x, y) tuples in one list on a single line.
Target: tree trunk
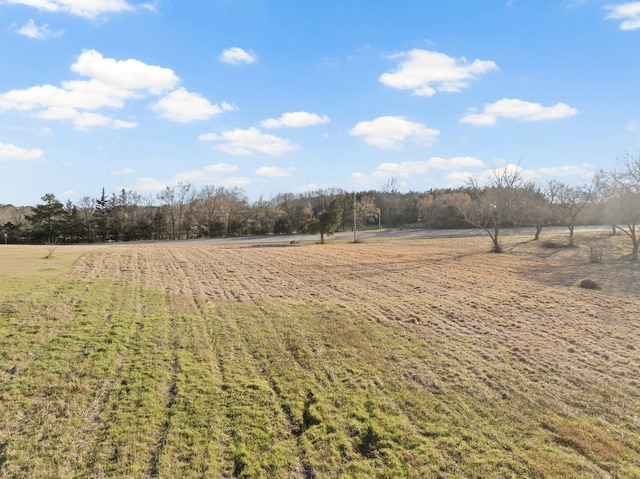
[(538, 231), (496, 242), (322, 237), (570, 235)]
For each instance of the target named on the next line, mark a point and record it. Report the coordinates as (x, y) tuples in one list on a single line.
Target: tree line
[(182, 211)]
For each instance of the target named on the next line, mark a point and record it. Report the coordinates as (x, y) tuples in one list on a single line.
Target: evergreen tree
[(46, 219), (327, 222)]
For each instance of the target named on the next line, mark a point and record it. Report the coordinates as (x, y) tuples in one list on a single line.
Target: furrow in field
[(418, 328)]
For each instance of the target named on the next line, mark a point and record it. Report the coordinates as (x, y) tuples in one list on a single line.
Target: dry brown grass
[(432, 357)]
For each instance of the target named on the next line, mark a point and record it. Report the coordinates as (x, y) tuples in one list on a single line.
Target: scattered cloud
[(183, 106), (454, 163), (295, 119), (518, 110), (128, 74), (9, 152), (83, 120), (581, 170), (111, 82), (628, 12), (31, 30), (499, 168), (633, 126), (237, 56), (148, 183), (274, 171), (249, 142), (459, 178), (206, 174), (90, 9), (409, 169), (220, 168), (389, 132), (426, 72)]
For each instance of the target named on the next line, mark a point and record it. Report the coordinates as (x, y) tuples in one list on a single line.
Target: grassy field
[(417, 359)]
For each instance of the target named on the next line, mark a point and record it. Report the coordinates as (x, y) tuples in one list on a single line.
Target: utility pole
[(355, 222)]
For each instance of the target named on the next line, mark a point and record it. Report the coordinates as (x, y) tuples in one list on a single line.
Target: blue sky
[(277, 96)]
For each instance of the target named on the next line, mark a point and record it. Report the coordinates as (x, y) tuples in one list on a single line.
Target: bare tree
[(443, 209), (568, 201), (603, 199), (233, 206), (182, 199), (535, 209), (625, 187), (366, 210), (87, 208), (494, 205), (168, 199)]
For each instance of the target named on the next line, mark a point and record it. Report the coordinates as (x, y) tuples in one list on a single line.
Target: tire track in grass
[(193, 444), (189, 441), (499, 330), (259, 430), (65, 391), (154, 470), (62, 387), (294, 426), (267, 315), (135, 413)]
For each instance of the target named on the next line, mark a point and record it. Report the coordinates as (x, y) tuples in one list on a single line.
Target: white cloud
[(459, 178), (274, 171), (210, 173), (454, 163), (295, 119), (206, 174), (82, 8), (71, 95), (250, 141), (501, 167), (518, 110), (628, 12), (128, 74), (30, 29), (236, 56), (183, 106), (220, 168), (9, 152), (583, 169), (409, 169), (426, 72), (83, 120), (111, 83), (389, 132), (148, 183)]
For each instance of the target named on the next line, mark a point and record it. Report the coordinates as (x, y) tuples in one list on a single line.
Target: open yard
[(415, 358)]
